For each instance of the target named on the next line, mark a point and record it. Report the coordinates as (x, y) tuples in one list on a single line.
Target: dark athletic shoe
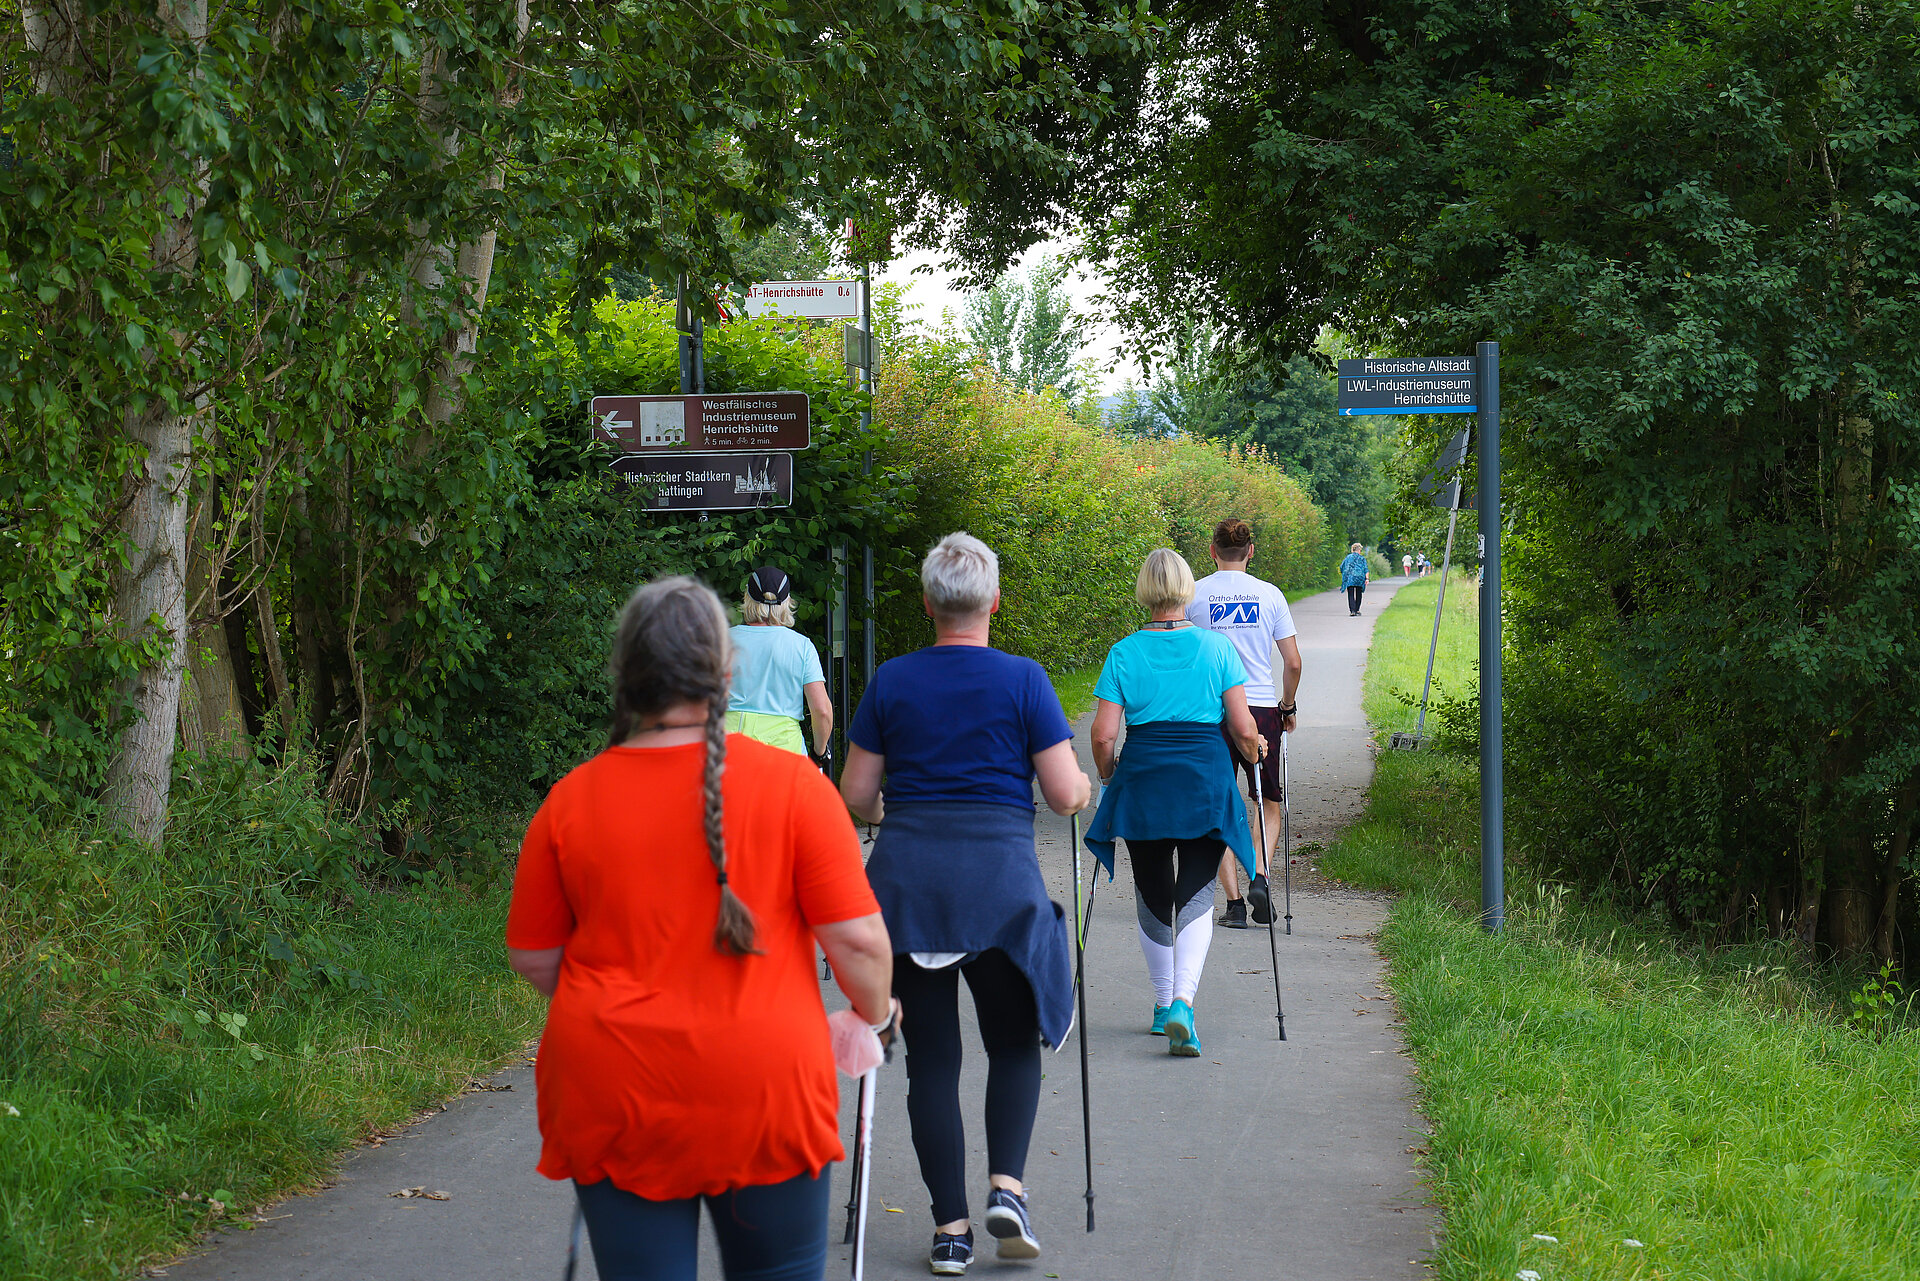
[(1008, 1223), (1236, 917), (1260, 894), (951, 1254)]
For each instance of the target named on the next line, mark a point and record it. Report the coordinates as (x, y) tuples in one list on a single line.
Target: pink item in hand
[(856, 1049)]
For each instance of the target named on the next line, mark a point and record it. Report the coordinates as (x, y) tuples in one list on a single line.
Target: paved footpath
[(1260, 1159)]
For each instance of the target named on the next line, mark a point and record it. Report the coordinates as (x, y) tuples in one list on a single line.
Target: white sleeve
[(1282, 617)]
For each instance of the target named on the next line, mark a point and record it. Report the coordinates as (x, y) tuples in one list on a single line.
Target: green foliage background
[(1071, 510), (1691, 226)]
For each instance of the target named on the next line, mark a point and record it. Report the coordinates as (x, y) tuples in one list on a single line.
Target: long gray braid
[(672, 647)]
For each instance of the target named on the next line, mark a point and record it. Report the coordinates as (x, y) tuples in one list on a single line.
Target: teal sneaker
[(1159, 1027), (1183, 1038)]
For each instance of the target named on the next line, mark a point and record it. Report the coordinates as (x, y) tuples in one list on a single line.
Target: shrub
[(1071, 510)]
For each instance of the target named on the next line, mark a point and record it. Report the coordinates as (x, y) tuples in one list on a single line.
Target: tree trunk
[(246, 673), (267, 624), (471, 263), (1895, 871), (149, 592), (1847, 906), (1806, 924), (150, 600), (211, 716), (53, 29)]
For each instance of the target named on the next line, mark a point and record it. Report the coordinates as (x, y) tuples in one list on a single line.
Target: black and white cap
[(768, 585)]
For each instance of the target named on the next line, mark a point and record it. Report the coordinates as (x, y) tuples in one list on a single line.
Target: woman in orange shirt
[(669, 895)]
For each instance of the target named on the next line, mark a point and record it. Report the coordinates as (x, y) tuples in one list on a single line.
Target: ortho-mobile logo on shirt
[(1233, 613)]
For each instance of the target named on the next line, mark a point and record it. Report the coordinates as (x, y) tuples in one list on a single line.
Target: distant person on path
[(959, 731), (1172, 799), (1353, 577), (1251, 613), (776, 671), (669, 896), (1406, 565), (1424, 564)]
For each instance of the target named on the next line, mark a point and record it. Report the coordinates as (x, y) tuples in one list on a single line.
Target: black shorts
[(1267, 721)]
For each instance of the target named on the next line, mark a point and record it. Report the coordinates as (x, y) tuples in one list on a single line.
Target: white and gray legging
[(1156, 890)]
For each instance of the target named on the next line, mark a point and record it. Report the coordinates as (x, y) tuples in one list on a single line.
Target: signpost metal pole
[(684, 327), (866, 465), (1492, 807)]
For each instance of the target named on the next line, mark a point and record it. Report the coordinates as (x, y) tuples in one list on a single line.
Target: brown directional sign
[(734, 421), (708, 482)]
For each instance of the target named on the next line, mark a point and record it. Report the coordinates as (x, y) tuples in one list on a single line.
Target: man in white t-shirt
[(1253, 614)]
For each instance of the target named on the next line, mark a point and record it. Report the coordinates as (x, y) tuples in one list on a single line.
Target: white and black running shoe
[(951, 1253), (1008, 1223)]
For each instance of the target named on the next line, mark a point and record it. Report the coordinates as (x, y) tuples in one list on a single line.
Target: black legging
[(1354, 593), (1160, 891), (1010, 1029)]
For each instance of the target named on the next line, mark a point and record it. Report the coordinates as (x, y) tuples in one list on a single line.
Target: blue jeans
[(773, 1232)]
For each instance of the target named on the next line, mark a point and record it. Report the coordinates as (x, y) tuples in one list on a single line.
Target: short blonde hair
[(753, 611), (1165, 580), (1357, 548)]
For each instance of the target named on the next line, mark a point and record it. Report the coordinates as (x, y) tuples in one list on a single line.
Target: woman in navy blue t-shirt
[(960, 731)]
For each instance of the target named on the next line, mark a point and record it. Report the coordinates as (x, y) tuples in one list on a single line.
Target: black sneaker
[(1236, 917), (951, 1254), (1007, 1222), (1261, 896)]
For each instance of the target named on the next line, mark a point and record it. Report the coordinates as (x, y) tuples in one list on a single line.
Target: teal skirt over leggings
[(774, 1232)]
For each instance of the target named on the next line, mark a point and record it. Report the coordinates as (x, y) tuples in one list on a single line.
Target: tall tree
[(1196, 387), (1026, 328)]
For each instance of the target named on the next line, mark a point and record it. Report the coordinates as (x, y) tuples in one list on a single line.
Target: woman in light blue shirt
[(776, 671), (1173, 796)]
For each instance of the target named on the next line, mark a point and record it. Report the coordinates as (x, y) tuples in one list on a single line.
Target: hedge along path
[(1284, 1161)]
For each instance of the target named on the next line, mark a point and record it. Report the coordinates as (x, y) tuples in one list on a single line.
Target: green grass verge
[(1594, 1079), (1397, 662), (222, 1020), (1075, 689)]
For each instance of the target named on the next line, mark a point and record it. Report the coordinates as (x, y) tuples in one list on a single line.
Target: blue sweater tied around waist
[(959, 876), (1174, 780)]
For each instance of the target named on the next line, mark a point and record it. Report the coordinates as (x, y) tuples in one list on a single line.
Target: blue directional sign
[(1408, 385)]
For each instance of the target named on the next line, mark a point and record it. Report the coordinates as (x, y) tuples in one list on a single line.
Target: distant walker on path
[(1353, 577), (1253, 615)]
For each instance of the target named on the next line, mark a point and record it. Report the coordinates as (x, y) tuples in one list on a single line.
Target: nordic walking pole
[(869, 1084), (1080, 990), (573, 1241), (857, 1180), (1286, 828), (1273, 950)]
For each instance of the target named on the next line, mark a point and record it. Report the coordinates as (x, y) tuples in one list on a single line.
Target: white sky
[(935, 293)]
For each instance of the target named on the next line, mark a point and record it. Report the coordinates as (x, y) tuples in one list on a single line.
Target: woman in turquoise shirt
[(1172, 795)]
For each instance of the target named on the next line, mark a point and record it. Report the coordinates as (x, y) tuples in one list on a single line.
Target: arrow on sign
[(612, 422), (1424, 409)]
